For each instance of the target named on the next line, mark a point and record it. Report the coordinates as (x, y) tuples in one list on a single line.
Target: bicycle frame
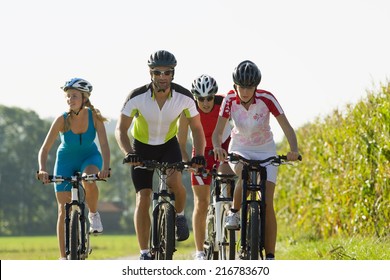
[(160, 197), (76, 234), (221, 201), (253, 204), (79, 206), (162, 238)]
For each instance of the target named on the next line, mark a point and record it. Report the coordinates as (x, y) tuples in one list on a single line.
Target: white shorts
[(272, 170)]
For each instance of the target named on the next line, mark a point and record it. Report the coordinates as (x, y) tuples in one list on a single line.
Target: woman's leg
[(201, 203), (62, 198), (91, 190)]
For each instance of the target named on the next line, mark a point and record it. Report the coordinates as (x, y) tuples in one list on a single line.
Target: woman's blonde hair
[(88, 104)]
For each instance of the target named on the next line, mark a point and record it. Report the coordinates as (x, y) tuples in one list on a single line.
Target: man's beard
[(158, 88)]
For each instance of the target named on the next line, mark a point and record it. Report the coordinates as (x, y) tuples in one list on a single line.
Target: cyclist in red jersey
[(249, 109), (204, 89)]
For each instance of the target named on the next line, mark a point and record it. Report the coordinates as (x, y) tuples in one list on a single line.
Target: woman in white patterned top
[(249, 109)]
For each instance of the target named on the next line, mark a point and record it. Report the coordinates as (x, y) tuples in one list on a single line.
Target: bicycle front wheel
[(166, 232), (253, 236), (227, 249), (75, 235), (209, 244)]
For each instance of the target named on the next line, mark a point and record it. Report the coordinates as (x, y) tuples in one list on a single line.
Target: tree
[(25, 205)]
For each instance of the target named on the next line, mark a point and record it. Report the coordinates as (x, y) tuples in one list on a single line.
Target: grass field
[(126, 247)]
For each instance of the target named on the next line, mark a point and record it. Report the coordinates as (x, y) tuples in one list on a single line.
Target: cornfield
[(342, 185)]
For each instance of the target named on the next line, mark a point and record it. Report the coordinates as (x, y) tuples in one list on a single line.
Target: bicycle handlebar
[(78, 177), (279, 159), (179, 166), (276, 160)]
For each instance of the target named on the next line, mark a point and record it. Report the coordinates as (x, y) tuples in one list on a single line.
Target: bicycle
[(220, 242), (253, 205), (162, 237), (77, 244)]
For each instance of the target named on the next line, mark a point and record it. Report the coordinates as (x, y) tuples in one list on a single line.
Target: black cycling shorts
[(168, 152)]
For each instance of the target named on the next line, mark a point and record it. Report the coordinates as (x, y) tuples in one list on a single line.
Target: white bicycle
[(220, 242)]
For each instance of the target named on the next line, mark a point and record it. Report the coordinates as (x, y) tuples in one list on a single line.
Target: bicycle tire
[(209, 244), (227, 249), (75, 239), (253, 236), (166, 232)]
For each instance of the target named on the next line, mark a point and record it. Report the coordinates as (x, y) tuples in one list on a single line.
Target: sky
[(315, 56)]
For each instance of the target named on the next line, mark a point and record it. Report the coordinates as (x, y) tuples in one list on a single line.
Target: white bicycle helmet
[(79, 84), (204, 86)]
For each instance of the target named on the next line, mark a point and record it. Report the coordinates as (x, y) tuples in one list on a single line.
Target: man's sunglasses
[(159, 73), (202, 99)]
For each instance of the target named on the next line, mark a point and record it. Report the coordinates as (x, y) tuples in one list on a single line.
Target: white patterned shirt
[(251, 128)]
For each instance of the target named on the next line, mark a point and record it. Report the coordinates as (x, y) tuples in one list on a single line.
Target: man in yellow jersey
[(153, 111)]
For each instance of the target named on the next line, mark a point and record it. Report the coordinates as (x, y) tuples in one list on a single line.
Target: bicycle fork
[(68, 213), (221, 200), (218, 223), (163, 196), (256, 194)]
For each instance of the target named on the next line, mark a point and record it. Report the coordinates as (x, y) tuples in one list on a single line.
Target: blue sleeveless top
[(73, 141), (76, 152)]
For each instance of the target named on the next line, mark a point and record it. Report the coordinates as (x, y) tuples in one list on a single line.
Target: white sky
[(315, 56)]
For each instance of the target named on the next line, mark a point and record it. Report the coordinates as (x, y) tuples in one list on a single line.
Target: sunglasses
[(159, 73), (202, 99)]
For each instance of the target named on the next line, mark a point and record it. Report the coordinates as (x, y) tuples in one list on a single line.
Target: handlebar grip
[(284, 157)]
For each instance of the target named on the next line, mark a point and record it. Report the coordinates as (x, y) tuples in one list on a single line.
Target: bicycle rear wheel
[(166, 232), (227, 249), (253, 235), (75, 235)]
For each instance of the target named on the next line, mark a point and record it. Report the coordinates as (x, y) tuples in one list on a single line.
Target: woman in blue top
[(77, 152)]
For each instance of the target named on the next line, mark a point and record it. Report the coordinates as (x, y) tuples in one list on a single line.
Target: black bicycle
[(220, 242), (77, 243), (162, 237), (254, 177)]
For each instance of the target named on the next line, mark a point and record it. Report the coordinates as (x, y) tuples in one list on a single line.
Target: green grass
[(121, 246), (46, 248), (336, 248), (103, 247)]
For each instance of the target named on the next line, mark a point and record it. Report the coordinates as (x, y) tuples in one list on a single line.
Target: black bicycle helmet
[(204, 86), (247, 74), (162, 58), (79, 84)]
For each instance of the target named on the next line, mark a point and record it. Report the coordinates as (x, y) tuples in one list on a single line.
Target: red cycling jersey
[(209, 121)]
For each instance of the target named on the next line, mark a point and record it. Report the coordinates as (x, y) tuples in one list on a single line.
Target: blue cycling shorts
[(69, 163)]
